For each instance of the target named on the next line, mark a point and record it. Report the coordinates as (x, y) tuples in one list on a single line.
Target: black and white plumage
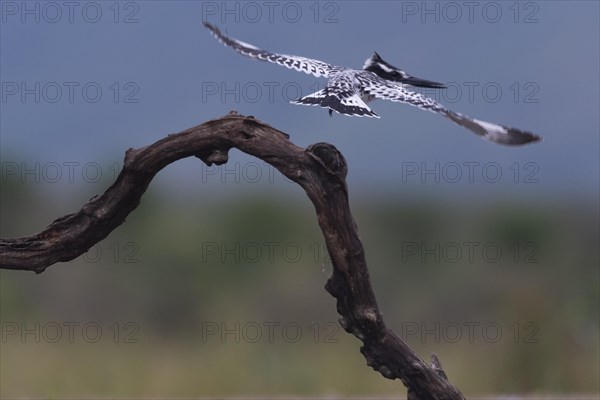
[(348, 90)]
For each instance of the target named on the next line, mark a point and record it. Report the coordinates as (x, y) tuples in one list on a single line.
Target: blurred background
[(214, 286)]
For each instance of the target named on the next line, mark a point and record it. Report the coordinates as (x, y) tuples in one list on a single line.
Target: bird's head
[(385, 70)]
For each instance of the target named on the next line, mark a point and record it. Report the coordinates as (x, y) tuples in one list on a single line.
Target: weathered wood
[(320, 169)]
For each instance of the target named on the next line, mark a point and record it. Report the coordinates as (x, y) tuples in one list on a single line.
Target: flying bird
[(348, 90)]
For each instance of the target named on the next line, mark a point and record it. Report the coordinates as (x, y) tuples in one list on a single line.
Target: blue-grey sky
[(532, 65)]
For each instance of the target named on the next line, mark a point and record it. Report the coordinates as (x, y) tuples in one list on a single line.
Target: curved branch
[(320, 170)]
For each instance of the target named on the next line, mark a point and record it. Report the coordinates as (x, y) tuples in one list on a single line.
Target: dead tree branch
[(320, 170)]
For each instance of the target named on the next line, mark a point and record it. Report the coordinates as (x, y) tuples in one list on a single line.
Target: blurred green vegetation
[(167, 288)]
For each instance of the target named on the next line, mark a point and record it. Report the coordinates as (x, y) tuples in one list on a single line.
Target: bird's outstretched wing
[(382, 89), (302, 64)]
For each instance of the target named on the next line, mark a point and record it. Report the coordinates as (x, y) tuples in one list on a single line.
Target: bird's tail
[(349, 105)]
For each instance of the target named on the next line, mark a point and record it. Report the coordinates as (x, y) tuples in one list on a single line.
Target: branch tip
[(436, 365)]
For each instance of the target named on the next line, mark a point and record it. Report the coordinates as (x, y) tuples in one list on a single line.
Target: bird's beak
[(411, 80)]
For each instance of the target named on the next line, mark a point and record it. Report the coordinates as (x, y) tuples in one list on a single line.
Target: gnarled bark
[(320, 170)]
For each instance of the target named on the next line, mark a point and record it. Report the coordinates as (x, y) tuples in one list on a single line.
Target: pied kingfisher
[(348, 90)]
